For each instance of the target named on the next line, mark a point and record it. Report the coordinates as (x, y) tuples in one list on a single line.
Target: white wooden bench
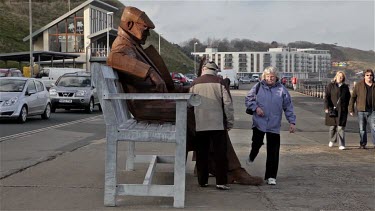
[(120, 126)]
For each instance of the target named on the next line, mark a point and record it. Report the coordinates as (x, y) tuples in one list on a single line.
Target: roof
[(97, 3), (42, 55), (103, 32)]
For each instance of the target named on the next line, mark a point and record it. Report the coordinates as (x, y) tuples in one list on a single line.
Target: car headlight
[(11, 101), (81, 93), (52, 92)]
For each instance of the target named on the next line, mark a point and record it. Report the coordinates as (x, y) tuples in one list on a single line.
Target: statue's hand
[(158, 81)]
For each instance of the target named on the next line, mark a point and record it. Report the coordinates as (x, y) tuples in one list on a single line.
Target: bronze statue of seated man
[(144, 71)]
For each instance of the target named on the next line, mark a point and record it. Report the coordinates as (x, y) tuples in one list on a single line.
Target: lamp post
[(159, 41), (195, 59), (31, 40), (108, 14)]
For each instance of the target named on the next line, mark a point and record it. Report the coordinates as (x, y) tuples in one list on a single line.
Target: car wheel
[(23, 115), (47, 112), (90, 108)]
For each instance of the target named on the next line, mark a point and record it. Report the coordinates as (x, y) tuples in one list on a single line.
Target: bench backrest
[(106, 80)]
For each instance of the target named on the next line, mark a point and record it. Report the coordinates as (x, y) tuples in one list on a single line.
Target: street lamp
[(195, 59), (159, 41), (31, 40), (108, 15)]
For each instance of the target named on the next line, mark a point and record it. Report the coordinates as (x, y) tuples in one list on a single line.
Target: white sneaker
[(342, 148), (271, 181), (331, 144)]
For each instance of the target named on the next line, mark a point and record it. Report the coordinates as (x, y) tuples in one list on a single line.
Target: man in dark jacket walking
[(364, 97)]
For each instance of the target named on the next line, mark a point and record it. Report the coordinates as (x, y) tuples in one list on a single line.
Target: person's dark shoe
[(204, 185), (249, 160), (222, 187), (362, 147)]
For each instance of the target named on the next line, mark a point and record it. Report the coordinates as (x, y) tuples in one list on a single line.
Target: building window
[(67, 35)]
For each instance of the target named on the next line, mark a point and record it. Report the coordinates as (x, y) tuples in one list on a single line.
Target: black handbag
[(249, 111), (333, 112)]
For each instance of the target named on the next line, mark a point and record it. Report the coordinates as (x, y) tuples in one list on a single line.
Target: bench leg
[(179, 176), (110, 172), (130, 156), (180, 155)]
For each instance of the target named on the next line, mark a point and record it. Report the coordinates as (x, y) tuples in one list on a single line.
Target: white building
[(301, 63), (82, 31)]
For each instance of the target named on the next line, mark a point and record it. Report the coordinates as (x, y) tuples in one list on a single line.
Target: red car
[(180, 78)]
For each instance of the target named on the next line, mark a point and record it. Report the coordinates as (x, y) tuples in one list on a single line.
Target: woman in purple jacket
[(268, 104)]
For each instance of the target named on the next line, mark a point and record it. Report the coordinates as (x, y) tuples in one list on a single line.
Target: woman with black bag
[(336, 104)]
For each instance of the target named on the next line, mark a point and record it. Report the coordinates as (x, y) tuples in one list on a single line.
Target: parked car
[(74, 90), (12, 72), (231, 74), (181, 78), (49, 75), (190, 77), (23, 97), (245, 80)]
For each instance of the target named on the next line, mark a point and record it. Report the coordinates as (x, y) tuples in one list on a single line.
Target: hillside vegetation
[(14, 25)]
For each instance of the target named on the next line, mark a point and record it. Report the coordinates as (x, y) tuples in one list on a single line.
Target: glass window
[(79, 13), (80, 44), (71, 43), (62, 27), (53, 30), (80, 26), (62, 40), (31, 87), (39, 86), (54, 44), (71, 25)]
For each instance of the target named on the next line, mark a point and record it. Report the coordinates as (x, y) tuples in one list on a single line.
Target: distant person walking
[(213, 117), (363, 96), (336, 101), (268, 104)]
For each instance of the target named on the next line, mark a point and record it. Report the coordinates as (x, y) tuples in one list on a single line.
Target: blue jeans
[(365, 117)]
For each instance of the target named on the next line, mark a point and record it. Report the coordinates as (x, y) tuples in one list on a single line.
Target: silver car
[(74, 90), (22, 97)]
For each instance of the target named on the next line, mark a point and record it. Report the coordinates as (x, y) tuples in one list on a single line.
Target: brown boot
[(240, 176)]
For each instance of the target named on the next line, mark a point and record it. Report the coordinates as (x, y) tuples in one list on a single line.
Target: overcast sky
[(347, 23)]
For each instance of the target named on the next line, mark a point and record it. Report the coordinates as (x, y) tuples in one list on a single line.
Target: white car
[(22, 97)]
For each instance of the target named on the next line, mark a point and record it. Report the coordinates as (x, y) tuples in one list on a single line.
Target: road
[(26, 145)]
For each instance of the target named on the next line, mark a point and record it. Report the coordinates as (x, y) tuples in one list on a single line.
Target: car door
[(31, 97), (41, 97)]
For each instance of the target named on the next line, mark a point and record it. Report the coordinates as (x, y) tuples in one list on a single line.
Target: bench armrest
[(193, 99)]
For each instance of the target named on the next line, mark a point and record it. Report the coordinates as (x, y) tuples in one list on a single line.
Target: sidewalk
[(311, 177)]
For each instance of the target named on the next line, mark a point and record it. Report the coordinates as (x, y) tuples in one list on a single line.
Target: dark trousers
[(273, 149), (219, 145)]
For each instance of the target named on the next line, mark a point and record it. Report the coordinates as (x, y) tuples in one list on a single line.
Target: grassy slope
[(14, 25)]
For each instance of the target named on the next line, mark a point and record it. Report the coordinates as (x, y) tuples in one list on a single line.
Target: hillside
[(14, 25)]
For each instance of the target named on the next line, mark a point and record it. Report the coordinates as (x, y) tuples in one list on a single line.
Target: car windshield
[(12, 85), (75, 81)]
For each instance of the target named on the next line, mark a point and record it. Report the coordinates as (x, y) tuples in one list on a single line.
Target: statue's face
[(141, 32)]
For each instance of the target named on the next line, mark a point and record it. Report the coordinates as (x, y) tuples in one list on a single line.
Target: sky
[(347, 23)]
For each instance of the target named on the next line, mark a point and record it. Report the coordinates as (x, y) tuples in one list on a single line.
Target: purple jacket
[(273, 101)]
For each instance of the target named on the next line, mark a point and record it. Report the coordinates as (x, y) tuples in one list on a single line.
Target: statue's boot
[(236, 174)]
